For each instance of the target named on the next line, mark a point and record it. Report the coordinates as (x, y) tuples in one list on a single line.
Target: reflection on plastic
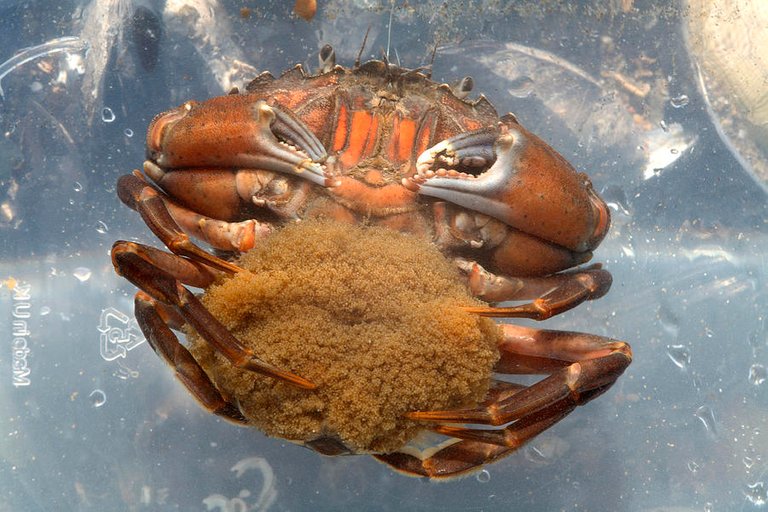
[(119, 334), (267, 495), (62, 44)]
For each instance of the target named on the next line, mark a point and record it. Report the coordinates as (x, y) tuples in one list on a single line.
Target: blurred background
[(664, 104)]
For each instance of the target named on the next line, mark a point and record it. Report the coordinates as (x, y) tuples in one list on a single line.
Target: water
[(93, 420)]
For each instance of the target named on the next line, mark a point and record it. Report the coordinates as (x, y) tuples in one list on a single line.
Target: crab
[(383, 145)]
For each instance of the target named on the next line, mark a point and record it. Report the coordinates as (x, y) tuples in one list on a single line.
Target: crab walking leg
[(165, 343), (553, 294), (151, 205), (588, 365), (163, 287), (584, 366), (477, 448), (450, 462), (190, 272)]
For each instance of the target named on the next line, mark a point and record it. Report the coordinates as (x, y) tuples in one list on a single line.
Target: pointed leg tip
[(256, 365), (483, 310)]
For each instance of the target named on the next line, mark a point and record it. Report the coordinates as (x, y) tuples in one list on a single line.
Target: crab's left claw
[(236, 132), (509, 174)]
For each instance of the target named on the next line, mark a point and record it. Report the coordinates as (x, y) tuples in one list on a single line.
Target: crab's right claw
[(509, 174), (236, 132)]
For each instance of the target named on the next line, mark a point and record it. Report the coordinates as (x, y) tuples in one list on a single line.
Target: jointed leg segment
[(158, 277), (551, 295), (581, 367)]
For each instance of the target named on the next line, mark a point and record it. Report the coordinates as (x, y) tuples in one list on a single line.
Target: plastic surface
[(93, 420)]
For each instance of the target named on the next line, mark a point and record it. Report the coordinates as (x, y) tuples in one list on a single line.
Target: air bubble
[(757, 374), (707, 417), (78, 187), (693, 467), (756, 339), (98, 398), (668, 320), (679, 101), (756, 494), (128, 132), (483, 476), (101, 227), (44, 310), (680, 355), (616, 199), (107, 115), (82, 274), (521, 87)]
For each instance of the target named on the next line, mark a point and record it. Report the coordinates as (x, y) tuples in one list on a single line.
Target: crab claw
[(510, 174), (236, 132)]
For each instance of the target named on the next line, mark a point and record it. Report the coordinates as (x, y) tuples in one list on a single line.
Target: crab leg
[(452, 461), (165, 343), (583, 366), (162, 286), (552, 294), (151, 205), (459, 456), (478, 447), (187, 271)]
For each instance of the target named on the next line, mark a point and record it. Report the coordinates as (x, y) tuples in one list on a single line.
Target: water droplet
[(748, 462), (756, 494), (44, 310), (545, 450), (680, 355), (663, 125), (709, 507), (757, 374), (628, 251), (98, 398), (82, 274), (679, 101), (78, 187), (756, 339), (107, 115), (668, 320), (128, 132), (101, 227), (483, 476), (707, 417), (692, 466), (521, 87), (616, 199)]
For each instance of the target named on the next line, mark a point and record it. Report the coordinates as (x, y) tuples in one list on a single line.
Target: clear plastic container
[(93, 420)]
